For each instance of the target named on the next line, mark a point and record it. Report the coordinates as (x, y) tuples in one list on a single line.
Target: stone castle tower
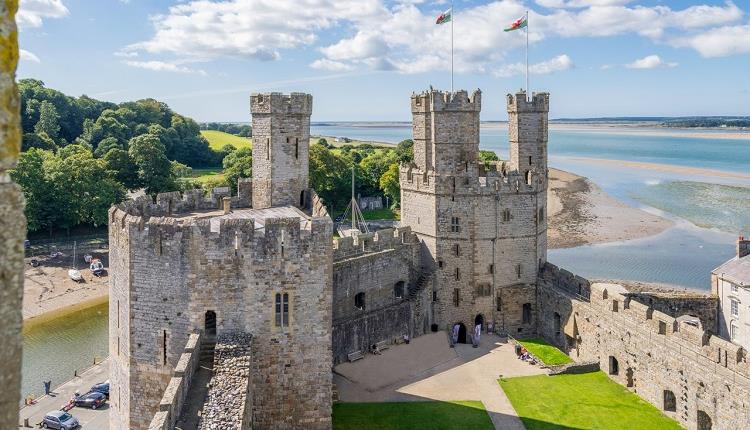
[(482, 230), (281, 136), (185, 264)]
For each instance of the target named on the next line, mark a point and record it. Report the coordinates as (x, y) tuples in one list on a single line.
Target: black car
[(92, 399), (102, 388)]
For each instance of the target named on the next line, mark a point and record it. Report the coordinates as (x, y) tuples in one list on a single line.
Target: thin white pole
[(528, 92), (354, 202), (452, 17)]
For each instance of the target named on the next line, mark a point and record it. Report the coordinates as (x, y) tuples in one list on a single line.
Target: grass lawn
[(411, 416), (204, 176), (550, 355), (377, 214), (217, 140), (586, 401)]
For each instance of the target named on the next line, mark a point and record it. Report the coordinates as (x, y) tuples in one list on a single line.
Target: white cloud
[(28, 56), (649, 62), (163, 66), (556, 64), (401, 36), (326, 64), (31, 13), (719, 42), (605, 67)]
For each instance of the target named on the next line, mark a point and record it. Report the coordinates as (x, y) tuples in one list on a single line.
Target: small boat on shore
[(75, 275)]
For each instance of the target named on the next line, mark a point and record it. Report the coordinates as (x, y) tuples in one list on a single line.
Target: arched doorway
[(210, 323), (614, 366), (461, 333), (704, 421), (302, 199), (479, 320)]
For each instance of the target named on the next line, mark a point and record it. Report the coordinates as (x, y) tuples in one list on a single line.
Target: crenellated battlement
[(436, 101), (497, 180), (518, 103), (278, 103), (364, 243)]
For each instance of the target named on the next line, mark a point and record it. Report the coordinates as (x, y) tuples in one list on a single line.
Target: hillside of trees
[(243, 130)]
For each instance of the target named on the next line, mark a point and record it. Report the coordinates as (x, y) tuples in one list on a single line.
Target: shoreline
[(580, 213), (666, 168)]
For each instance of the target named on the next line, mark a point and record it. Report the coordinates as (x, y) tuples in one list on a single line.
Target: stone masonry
[(12, 223), (482, 231)]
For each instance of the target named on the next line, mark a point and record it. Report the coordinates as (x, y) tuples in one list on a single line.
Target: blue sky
[(361, 59)]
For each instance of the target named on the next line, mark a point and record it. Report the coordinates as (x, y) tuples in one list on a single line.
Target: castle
[(257, 281)]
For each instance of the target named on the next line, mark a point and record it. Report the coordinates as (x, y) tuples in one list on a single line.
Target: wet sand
[(667, 168), (580, 213)]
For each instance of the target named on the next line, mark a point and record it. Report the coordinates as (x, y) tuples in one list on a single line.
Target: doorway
[(210, 323), (461, 333), (479, 320)]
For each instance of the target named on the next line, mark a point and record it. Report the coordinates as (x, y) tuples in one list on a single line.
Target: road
[(89, 419)]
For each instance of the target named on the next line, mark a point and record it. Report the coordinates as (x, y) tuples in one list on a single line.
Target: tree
[(41, 211), (154, 169), (373, 166), (330, 175), (122, 168), (238, 164), (405, 151), (106, 145), (487, 157), (390, 185), (41, 141), (324, 142), (48, 120), (180, 170)]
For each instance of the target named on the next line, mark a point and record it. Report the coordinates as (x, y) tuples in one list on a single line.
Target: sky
[(362, 59)]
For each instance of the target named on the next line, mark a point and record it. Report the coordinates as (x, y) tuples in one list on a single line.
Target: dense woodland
[(82, 155)]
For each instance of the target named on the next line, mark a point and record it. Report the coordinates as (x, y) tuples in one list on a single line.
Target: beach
[(580, 213)]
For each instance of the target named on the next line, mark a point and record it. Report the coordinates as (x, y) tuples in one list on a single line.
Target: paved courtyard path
[(428, 369), (89, 419)]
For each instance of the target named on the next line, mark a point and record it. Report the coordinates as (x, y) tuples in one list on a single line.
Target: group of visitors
[(525, 355), (474, 338)]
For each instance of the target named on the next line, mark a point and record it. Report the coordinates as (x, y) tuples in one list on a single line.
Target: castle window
[(483, 290), (614, 366), (528, 177), (735, 308), (456, 250), (458, 274), (670, 401), (492, 269), (733, 331), (434, 295), (296, 147), (498, 303), (359, 301), (540, 217), (398, 290), (268, 148), (557, 323), (518, 270), (529, 160), (455, 224), (615, 306), (662, 327), (506, 215), (526, 313), (456, 296), (440, 264), (281, 313), (164, 348)]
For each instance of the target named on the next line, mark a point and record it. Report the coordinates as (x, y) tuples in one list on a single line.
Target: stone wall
[(174, 395), (650, 353), (12, 223), (229, 400)]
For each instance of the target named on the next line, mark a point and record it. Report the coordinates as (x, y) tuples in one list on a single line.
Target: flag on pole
[(445, 17), (519, 23)]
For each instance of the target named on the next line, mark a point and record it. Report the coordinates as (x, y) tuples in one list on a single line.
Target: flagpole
[(452, 14), (528, 94)]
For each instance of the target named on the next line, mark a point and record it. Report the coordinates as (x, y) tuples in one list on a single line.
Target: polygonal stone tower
[(281, 141), (527, 133)]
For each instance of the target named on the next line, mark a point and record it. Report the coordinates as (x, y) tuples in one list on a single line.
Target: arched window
[(557, 323), (398, 290), (359, 301), (282, 310), (670, 401)]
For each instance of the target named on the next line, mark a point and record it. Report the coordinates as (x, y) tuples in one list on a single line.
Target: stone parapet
[(278, 103), (347, 247), (436, 100)]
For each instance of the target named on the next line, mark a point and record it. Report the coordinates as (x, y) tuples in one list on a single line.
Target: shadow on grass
[(421, 415)]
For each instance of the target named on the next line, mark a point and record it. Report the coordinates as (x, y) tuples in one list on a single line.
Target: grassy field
[(549, 355), (586, 401), (217, 140), (411, 416), (377, 214), (205, 176)]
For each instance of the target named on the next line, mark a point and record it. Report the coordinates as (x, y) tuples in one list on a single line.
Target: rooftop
[(260, 216), (736, 270)]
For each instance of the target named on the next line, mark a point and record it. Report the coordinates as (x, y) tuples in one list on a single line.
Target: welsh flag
[(519, 23), (445, 17)]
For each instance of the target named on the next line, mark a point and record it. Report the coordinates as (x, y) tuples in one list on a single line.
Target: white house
[(731, 282)]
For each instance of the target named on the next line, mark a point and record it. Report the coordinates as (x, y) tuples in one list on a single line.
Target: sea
[(709, 210)]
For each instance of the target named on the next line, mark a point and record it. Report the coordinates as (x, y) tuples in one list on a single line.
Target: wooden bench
[(382, 345), (354, 356)]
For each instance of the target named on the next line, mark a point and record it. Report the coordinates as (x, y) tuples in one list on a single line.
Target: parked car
[(101, 388), (92, 399), (60, 420)]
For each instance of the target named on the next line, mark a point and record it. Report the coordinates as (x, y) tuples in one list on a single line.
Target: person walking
[(477, 334), (454, 336)]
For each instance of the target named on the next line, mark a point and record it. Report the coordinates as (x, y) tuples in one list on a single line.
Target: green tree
[(41, 202), (180, 170), (41, 141), (405, 151), (373, 166), (121, 167), (106, 145), (487, 157), (324, 142), (238, 164), (390, 185), (154, 169), (330, 175), (48, 120)]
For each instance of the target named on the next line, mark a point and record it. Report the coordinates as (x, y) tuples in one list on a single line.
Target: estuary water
[(709, 210)]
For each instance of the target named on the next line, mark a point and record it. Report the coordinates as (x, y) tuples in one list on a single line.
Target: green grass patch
[(378, 214), (586, 401), (549, 355), (218, 139), (411, 416), (213, 177)]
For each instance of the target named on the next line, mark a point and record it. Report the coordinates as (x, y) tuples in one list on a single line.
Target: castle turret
[(281, 142), (527, 121)]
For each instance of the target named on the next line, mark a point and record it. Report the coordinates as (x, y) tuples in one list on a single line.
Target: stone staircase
[(208, 345), (413, 293)]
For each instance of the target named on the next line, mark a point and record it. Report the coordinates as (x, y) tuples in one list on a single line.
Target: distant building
[(370, 203), (731, 282)]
